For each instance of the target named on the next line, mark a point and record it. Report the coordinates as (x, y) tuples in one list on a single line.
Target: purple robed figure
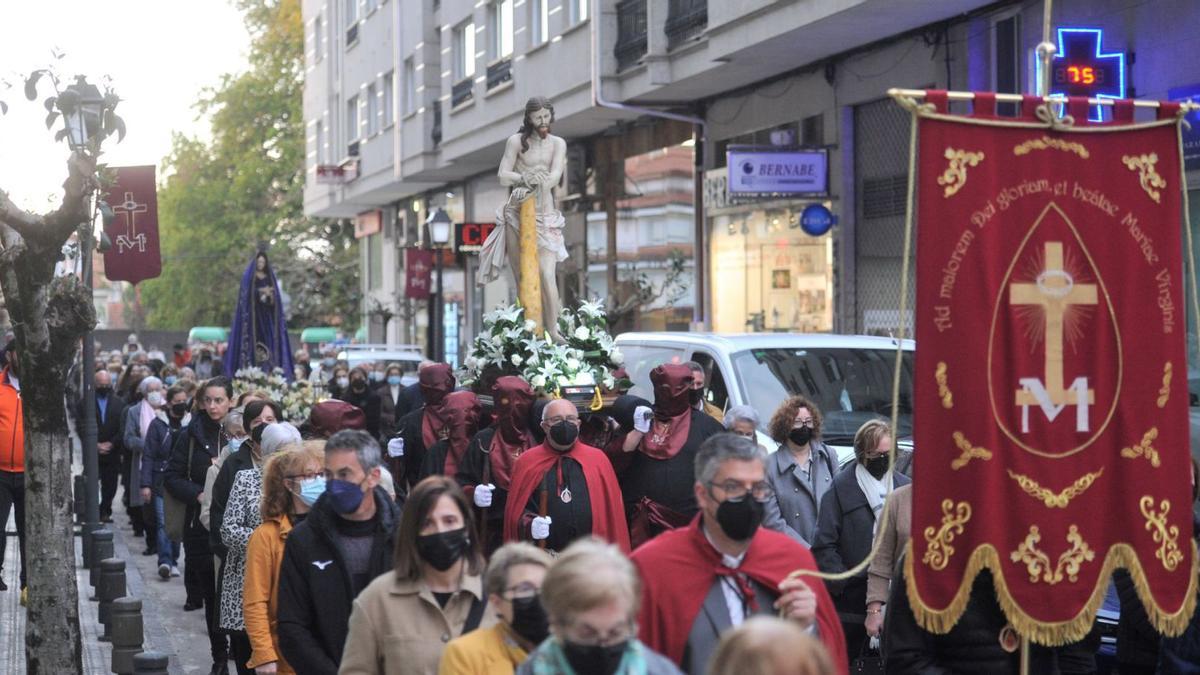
[(259, 336)]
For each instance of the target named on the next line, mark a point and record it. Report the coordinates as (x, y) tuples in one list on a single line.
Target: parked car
[(408, 356), (849, 377)]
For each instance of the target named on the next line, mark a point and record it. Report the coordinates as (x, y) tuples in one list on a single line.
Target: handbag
[(868, 662), (175, 510)]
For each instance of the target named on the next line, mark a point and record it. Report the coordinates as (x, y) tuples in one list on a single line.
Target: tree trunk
[(52, 641)]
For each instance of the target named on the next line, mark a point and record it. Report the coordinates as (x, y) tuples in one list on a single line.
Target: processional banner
[(133, 197), (1051, 402)]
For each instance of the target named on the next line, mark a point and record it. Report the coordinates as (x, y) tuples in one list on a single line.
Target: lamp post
[(82, 106), (439, 235)]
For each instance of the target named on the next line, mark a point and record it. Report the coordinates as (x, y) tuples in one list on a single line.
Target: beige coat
[(893, 539), (397, 628)]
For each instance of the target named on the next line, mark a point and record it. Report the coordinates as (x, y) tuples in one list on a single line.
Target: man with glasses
[(704, 579), (563, 489)]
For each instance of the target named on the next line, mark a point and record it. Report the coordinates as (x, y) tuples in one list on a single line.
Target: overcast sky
[(160, 54)]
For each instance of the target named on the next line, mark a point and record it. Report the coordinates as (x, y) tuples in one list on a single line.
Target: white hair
[(144, 385), (741, 413), (276, 435)]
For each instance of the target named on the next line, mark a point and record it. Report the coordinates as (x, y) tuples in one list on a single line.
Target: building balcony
[(686, 19), (631, 33), (463, 91), (499, 73)]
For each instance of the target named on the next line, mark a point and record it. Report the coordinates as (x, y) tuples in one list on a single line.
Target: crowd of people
[(412, 529)]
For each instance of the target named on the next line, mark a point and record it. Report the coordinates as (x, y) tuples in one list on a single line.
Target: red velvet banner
[(134, 255), (1051, 421), (418, 264)]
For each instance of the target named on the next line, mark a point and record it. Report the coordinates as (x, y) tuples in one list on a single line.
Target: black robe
[(668, 482)]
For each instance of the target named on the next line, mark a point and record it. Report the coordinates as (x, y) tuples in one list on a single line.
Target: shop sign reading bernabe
[(766, 171)]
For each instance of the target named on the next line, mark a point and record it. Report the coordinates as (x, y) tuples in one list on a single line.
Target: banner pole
[(1024, 655), (1046, 49)]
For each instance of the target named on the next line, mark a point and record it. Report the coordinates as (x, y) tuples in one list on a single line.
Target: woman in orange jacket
[(292, 481)]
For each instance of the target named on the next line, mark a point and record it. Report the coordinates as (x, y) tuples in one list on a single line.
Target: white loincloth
[(493, 258)]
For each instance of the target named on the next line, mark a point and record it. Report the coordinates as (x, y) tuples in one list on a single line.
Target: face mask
[(328, 363), (442, 549), (103, 391), (311, 489), (740, 520), (376, 376), (594, 659), (877, 466), (343, 382), (345, 497), (394, 380), (564, 434), (179, 409), (257, 432), (358, 384), (800, 436), (695, 396), (156, 399), (235, 443), (529, 619), (170, 380)]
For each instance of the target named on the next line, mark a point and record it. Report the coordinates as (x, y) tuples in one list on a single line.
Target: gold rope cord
[(985, 556)]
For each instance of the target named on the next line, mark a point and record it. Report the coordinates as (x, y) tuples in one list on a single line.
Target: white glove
[(540, 527), (396, 447), (483, 495), (641, 419)]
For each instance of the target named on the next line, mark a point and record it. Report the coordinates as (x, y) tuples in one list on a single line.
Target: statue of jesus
[(533, 163)]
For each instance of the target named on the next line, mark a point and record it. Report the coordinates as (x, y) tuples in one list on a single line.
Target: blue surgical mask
[(328, 363), (394, 380), (170, 380), (376, 376), (345, 497), (235, 443), (311, 489)]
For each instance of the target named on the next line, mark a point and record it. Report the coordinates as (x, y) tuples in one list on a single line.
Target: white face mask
[(343, 382), (156, 399)]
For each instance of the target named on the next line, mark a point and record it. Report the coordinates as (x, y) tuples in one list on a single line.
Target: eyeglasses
[(573, 419), (804, 423), (735, 491), (589, 636), (311, 475)]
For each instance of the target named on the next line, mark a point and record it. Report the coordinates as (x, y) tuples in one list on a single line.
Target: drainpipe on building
[(699, 126)]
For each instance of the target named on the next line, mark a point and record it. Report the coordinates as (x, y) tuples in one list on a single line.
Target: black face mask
[(740, 520), (800, 436), (695, 396), (358, 385), (256, 433), (443, 549), (102, 392), (564, 434), (179, 409), (594, 659), (877, 466), (529, 619)]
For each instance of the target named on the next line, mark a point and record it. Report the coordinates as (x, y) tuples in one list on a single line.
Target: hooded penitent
[(672, 411)]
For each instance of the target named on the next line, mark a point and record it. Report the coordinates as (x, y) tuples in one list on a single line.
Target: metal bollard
[(126, 632), (150, 663), (110, 588), (102, 549), (79, 501)]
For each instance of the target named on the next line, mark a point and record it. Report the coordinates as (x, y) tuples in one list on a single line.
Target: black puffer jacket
[(315, 590), (973, 645), (202, 439)]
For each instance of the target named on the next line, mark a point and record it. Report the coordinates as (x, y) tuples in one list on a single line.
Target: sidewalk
[(167, 628)]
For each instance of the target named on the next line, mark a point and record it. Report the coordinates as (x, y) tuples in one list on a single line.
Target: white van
[(849, 377), (370, 355)]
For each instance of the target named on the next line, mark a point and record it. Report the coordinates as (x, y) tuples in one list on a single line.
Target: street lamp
[(82, 106), (439, 237)]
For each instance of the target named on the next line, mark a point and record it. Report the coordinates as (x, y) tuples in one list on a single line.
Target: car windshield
[(850, 386)]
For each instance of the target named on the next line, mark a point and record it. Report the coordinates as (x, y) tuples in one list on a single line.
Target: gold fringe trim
[(941, 621)]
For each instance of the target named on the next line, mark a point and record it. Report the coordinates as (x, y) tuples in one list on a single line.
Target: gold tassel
[(597, 402)]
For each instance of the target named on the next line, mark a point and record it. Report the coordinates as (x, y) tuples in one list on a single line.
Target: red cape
[(608, 508), (679, 567)]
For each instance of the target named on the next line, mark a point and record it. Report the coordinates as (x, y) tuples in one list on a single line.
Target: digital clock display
[(1069, 75)]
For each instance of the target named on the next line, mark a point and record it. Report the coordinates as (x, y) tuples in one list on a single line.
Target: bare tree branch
[(54, 228)]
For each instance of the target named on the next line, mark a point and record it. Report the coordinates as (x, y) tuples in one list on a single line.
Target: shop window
[(812, 130)]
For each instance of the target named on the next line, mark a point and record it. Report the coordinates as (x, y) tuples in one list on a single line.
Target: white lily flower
[(582, 333), (516, 359), (616, 357), (538, 381)]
